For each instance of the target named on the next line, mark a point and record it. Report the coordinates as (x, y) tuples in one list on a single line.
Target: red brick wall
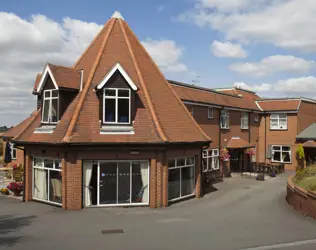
[(306, 115)]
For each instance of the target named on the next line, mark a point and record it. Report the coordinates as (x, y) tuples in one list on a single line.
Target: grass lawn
[(308, 183)]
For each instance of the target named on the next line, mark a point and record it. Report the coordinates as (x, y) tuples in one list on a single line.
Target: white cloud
[(264, 87), (167, 54), (228, 49), (288, 24), (160, 8), (273, 64)]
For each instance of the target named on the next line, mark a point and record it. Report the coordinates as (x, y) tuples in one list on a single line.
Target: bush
[(305, 172), (300, 152)]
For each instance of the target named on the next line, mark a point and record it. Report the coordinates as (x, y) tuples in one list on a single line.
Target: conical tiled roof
[(161, 116)]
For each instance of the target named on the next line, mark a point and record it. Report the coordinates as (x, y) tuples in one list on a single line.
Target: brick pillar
[(198, 192), (73, 182), (165, 177), (153, 183), (159, 183), (64, 183), (28, 178)]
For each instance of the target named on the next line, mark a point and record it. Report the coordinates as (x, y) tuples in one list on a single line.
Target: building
[(112, 131)]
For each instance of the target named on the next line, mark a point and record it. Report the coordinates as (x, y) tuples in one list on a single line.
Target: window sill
[(244, 128), (278, 129), (45, 129), (225, 128), (117, 130)]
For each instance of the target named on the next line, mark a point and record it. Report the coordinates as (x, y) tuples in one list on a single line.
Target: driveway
[(243, 214)]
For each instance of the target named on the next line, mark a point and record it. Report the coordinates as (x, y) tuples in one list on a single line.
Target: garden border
[(300, 199)]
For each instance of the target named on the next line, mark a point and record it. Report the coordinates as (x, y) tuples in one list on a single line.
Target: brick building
[(112, 131)]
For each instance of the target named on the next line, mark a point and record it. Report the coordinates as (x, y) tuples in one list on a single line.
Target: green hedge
[(306, 178)]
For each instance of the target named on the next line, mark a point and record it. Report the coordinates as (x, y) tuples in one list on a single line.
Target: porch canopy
[(236, 142), (309, 144), (308, 134)]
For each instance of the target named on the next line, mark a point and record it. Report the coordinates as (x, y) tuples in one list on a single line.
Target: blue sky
[(252, 46)]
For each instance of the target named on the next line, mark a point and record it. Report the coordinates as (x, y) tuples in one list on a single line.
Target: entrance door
[(108, 183), (236, 160)]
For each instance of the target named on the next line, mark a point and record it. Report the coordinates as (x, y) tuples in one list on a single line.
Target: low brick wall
[(300, 199)]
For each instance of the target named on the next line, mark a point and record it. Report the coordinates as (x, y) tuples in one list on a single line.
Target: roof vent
[(117, 15)]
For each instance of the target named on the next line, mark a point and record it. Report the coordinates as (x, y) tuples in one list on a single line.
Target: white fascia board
[(282, 112), (124, 74), (258, 105), (44, 77)]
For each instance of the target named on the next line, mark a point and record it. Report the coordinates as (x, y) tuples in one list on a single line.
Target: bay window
[(244, 120), (210, 160), (181, 181), (50, 106), (225, 119), (278, 121), (281, 154), (116, 106)]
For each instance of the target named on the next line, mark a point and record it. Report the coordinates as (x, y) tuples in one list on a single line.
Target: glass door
[(107, 174)]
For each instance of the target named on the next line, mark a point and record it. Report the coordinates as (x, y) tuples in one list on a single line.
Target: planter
[(16, 193)]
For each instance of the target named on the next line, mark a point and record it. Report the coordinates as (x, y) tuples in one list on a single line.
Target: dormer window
[(117, 106), (50, 113)]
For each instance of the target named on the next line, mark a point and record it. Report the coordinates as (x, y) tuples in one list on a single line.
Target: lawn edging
[(301, 200)]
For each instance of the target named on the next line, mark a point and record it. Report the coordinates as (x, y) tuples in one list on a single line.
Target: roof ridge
[(141, 80), (30, 122), (88, 83), (186, 85), (167, 83), (62, 66), (91, 43)]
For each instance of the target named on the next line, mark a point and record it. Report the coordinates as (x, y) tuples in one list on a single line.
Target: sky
[(267, 46)]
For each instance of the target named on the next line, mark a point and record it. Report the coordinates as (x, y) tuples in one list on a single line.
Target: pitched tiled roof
[(236, 142), (65, 77), (309, 144), (161, 116), (279, 104), (20, 128), (197, 94)]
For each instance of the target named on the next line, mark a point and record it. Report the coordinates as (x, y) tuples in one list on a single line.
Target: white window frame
[(117, 183), (13, 151), (186, 165), (50, 98), (210, 153), (116, 98), (210, 113), (281, 151), (244, 120), (48, 177), (277, 118), (225, 115)]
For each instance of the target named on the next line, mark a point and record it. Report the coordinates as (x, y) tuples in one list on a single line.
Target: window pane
[(123, 93), (38, 162), (48, 163), (204, 164), (171, 163), (40, 184), (274, 116), (277, 156), (13, 153), (108, 183), (47, 93), (124, 182), (286, 157), (282, 116), (190, 161), (181, 162), (274, 123), (123, 110), (283, 123), (109, 112), (174, 184), (110, 92), (276, 148), (54, 93), (285, 148), (215, 163), (58, 164), (53, 117), (55, 188), (187, 181), (46, 110), (140, 186), (210, 112)]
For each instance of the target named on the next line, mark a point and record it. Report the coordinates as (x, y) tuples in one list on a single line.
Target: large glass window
[(47, 180), (50, 107), (181, 181), (116, 182), (210, 160), (117, 106), (278, 121), (281, 154), (244, 120), (225, 119)]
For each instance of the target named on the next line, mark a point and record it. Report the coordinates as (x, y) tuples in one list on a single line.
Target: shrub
[(300, 152), (305, 172)]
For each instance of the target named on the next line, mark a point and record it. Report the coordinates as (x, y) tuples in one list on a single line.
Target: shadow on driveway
[(11, 224)]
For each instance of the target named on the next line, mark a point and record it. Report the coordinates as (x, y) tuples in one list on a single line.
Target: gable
[(47, 74), (117, 69)]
